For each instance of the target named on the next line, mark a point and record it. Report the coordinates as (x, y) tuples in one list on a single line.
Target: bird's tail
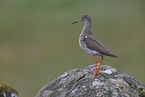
[(109, 54), (112, 55)]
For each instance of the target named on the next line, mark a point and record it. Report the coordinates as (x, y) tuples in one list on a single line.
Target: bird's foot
[(94, 74)]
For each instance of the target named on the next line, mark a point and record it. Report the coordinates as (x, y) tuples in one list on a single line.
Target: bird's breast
[(81, 42)]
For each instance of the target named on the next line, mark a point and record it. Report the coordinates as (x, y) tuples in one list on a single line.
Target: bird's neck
[(87, 29)]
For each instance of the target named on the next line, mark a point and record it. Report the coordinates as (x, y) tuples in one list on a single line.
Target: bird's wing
[(95, 44)]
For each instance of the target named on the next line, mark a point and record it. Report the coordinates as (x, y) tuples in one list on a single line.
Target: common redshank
[(89, 43)]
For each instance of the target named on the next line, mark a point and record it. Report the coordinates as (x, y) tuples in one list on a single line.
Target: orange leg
[(100, 65), (95, 67)]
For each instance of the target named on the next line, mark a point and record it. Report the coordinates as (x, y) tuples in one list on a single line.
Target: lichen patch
[(46, 93), (96, 83), (107, 71)]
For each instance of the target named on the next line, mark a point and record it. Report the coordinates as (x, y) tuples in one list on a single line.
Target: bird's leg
[(100, 65), (95, 67)]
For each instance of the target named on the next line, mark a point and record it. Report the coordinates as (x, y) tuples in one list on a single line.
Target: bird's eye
[(83, 17)]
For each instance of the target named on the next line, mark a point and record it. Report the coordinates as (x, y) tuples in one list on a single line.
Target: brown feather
[(95, 44)]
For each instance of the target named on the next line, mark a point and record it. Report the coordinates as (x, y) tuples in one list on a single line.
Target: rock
[(7, 91), (79, 83)]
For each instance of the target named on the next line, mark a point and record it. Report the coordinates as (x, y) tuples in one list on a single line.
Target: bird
[(92, 45)]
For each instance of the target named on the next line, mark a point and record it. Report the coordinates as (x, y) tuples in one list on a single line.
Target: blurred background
[(38, 43)]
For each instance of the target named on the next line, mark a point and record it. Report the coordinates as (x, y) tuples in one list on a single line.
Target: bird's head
[(84, 18)]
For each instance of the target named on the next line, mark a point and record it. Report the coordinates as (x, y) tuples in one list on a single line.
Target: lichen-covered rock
[(79, 83), (7, 91)]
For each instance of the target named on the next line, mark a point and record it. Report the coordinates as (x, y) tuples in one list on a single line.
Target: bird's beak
[(77, 21)]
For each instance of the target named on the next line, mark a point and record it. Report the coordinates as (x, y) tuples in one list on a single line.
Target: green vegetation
[(142, 94), (81, 77), (38, 42)]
